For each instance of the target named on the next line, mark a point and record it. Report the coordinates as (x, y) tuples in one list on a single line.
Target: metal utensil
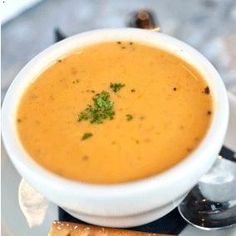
[(211, 204)]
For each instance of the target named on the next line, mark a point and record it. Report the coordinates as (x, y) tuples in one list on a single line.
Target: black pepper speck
[(207, 90)]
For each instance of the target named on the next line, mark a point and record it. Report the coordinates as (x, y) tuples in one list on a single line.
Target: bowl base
[(127, 221)]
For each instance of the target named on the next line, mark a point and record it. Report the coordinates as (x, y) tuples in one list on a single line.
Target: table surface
[(208, 25)]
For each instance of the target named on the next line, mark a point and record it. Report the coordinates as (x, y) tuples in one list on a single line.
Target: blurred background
[(28, 27)]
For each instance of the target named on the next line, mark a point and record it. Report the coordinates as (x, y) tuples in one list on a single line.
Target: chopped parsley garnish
[(86, 136), (101, 109), (116, 86), (129, 117)]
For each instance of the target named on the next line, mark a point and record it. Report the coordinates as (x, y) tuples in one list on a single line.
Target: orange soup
[(114, 112)]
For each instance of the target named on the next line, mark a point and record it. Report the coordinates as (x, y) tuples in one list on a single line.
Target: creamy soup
[(114, 112)]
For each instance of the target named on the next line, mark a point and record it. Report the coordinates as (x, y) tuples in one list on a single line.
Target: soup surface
[(114, 112)]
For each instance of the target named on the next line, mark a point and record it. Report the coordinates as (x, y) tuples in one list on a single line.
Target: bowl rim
[(210, 144)]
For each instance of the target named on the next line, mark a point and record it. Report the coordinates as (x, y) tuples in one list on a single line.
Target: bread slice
[(71, 229)]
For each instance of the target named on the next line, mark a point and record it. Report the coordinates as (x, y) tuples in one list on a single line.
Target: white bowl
[(127, 204)]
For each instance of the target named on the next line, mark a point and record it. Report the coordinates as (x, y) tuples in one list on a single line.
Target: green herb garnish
[(86, 136), (116, 86), (129, 117), (101, 109)]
